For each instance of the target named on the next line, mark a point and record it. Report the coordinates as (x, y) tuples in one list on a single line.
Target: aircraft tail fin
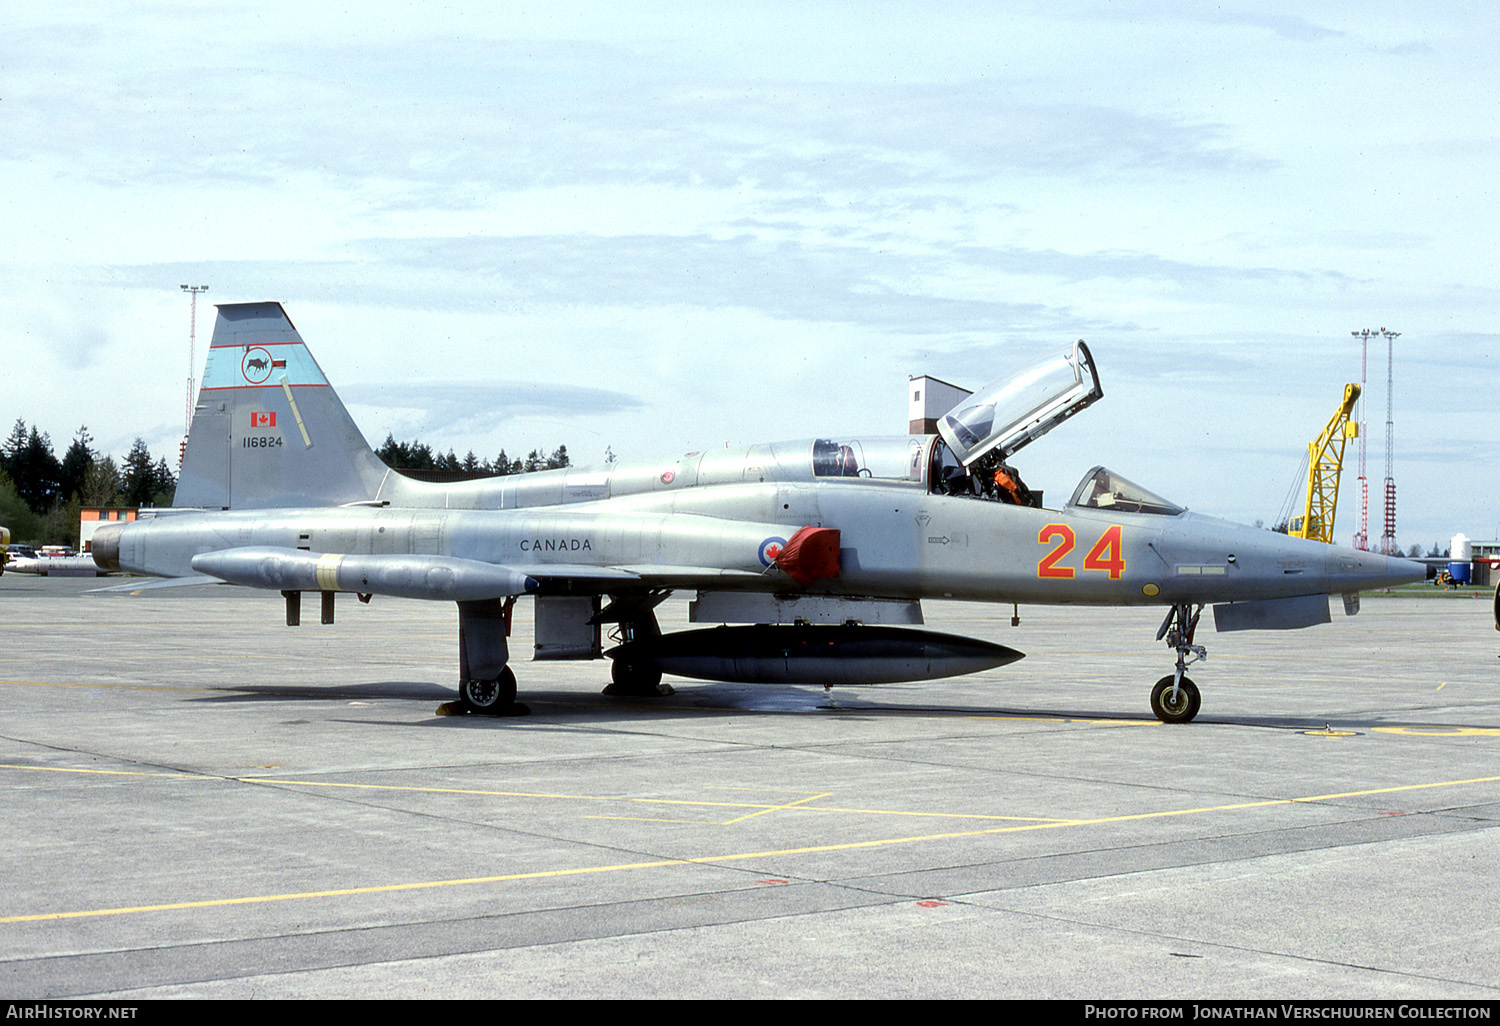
[(268, 429)]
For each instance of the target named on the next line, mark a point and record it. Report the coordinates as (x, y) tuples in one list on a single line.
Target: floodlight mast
[(1362, 532), (192, 347), (192, 366)]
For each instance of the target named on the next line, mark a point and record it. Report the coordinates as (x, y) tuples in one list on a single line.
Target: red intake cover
[(811, 555)]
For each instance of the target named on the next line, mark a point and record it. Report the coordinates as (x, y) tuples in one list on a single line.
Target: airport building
[(1484, 557), (91, 518), (930, 399)]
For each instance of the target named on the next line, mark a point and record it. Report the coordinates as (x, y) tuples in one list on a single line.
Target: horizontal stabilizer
[(1280, 614), (138, 585), (398, 576)]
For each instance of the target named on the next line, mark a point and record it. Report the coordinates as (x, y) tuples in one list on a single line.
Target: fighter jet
[(812, 557)]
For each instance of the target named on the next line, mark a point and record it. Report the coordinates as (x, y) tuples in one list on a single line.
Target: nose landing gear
[(1175, 697)]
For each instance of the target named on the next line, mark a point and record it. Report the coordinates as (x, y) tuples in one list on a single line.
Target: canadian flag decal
[(258, 420)]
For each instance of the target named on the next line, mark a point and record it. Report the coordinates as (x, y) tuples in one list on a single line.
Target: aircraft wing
[(650, 575)]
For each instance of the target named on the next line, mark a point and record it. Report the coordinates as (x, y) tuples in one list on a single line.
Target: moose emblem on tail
[(255, 365)]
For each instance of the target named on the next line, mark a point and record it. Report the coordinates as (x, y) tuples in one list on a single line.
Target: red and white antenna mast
[(1388, 537)]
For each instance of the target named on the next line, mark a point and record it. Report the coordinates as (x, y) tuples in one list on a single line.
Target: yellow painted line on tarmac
[(937, 815), (1440, 731), (883, 812), (654, 819), (1268, 802), (777, 808), (341, 892), (697, 802), (279, 781), (782, 791), (716, 859), (112, 773), (558, 796)]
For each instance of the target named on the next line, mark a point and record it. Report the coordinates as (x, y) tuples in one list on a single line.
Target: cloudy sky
[(662, 227)]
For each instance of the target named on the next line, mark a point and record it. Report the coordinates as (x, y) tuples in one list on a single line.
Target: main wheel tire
[(1183, 709), (489, 696), (631, 678)]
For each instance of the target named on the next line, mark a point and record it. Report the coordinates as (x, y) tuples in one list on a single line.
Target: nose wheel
[(1175, 698)]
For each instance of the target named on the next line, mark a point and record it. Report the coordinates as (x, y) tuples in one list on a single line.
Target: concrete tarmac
[(202, 802)]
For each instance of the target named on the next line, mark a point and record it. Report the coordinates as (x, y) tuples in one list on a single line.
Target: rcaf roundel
[(770, 549)]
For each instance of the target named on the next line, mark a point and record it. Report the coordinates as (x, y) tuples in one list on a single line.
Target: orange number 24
[(1108, 553)]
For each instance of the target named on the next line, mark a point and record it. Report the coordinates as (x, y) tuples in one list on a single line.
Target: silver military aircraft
[(813, 556)]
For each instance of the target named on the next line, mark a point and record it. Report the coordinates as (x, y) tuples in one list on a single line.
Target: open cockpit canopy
[(1014, 410)]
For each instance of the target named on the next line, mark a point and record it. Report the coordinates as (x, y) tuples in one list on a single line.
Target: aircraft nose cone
[(1350, 570)]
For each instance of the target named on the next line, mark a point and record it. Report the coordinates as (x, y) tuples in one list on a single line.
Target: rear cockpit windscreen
[(886, 459)]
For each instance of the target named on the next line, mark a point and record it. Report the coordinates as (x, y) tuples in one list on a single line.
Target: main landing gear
[(1175, 698), (636, 617), (485, 684)]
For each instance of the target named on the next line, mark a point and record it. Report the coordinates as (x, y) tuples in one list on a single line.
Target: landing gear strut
[(1175, 697), (636, 618)]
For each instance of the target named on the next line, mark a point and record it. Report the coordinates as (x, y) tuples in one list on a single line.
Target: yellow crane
[(1325, 460)]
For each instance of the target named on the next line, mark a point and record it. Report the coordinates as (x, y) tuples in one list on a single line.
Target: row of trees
[(41, 495), (416, 455)]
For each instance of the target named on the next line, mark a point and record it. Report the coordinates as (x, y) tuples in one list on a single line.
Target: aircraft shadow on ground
[(372, 690), (776, 700)]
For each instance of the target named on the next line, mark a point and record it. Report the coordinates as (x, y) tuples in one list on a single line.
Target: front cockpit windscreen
[(1104, 489), (1008, 413)]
